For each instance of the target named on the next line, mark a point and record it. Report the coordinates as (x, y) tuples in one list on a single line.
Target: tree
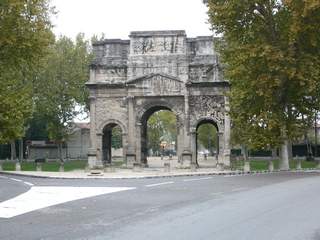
[(207, 136), (60, 89), (271, 55), (25, 33)]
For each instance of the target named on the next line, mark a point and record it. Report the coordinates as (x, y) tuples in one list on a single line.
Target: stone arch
[(215, 121), (143, 114), (220, 136), (112, 121), (161, 105), (105, 132)]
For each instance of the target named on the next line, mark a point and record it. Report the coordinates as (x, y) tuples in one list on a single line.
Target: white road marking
[(17, 180), (196, 179), (42, 197), (159, 184), (27, 183), (238, 189), (217, 193)]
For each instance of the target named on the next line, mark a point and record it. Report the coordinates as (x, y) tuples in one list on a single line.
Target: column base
[(186, 159), (93, 162), (130, 159)]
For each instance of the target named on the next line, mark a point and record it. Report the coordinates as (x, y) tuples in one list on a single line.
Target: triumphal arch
[(156, 70)]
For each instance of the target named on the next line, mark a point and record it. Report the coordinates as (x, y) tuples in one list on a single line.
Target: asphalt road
[(267, 206)]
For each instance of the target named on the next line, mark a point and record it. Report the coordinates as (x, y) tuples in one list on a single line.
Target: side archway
[(207, 142), (113, 141)]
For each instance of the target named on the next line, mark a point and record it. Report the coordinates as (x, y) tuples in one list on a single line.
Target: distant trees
[(271, 55), (60, 93), (207, 137), (161, 127)]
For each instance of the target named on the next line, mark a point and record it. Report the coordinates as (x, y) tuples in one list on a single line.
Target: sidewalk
[(144, 173), (121, 173)]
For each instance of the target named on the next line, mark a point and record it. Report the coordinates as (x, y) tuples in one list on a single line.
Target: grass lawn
[(258, 165), (47, 166)]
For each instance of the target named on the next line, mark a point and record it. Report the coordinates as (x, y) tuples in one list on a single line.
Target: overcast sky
[(116, 18)]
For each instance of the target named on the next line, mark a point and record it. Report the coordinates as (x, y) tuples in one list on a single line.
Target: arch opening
[(207, 143), (158, 136), (112, 144)]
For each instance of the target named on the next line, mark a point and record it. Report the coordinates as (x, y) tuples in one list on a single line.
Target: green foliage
[(161, 127), (116, 141), (37, 128), (25, 33), (271, 55), (207, 136), (60, 87)]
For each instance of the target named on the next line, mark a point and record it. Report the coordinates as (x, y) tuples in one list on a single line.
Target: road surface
[(265, 206)]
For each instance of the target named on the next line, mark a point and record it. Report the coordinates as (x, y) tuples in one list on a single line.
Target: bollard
[(18, 166), (298, 167), (318, 165), (220, 167), (136, 167), (246, 167), (39, 166), (167, 167), (61, 168), (270, 166)]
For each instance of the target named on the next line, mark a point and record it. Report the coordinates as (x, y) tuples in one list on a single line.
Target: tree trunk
[(284, 156), (290, 150), (60, 152), (13, 151), (20, 150), (274, 154), (244, 153)]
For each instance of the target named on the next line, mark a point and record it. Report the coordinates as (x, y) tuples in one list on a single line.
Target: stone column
[(131, 141), (92, 152), (138, 143), (187, 153), (180, 140), (227, 133), (221, 148), (193, 138)]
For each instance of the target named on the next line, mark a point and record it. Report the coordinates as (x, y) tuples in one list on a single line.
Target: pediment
[(157, 84)]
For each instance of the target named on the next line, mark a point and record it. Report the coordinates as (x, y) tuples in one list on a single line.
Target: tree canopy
[(25, 34), (271, 55), (60, 88)]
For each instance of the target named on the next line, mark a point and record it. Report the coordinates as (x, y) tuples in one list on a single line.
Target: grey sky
[(116, 18)]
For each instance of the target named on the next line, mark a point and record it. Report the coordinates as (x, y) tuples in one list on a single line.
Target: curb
[(235, 173)]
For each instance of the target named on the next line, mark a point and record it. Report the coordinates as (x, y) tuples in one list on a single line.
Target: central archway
[(158, 136)]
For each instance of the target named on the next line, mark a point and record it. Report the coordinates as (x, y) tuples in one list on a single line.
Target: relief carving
[(207, 106), (146, 45)]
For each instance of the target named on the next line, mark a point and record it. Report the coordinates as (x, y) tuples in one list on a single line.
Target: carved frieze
[(164, 44), (207, 106), (158, 85)]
